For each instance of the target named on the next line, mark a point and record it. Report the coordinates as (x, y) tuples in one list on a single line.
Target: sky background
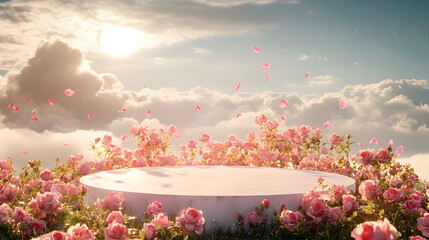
[(189, 53)]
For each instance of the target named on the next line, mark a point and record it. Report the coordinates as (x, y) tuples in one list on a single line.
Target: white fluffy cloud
[(390, 109)]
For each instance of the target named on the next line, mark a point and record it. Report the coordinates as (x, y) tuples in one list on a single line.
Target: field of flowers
[(390, 202)]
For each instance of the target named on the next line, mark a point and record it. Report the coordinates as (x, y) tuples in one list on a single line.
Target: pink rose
[(154, 208), (20, 215), (369, 191), (395, 181), (150, 231), (411, 206), (423, 224), (417, 238), (205, 137), (252, 217), (80, 232), (366, 157), (84, 168), (115, 231), (5, 164), (393, 195), (48, 201), (317, 209), (47, 175), (374, 230), (272, 124), (107, 140), (36, 227), (8, 192), (334, 139), (15, 180), (114, 201), (192, 144), (161, 220), (349, 203), (115, 216), (54, 235), (260, 119), (265, 204), (4, 213), (72, 160), (383, 156), (289, 219), (60, 188), (191, 219), (172, 129)]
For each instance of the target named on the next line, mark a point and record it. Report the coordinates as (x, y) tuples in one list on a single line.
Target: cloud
[(321, 80), (303, 57), (420, 164), (204, 51), (390, 109), (229, 3), (14, 13)]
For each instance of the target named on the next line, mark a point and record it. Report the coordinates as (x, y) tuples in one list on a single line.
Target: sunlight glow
[(119, 41)]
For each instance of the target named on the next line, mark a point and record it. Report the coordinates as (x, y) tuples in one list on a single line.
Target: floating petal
[(124, 138), (122, 110), (198, 108), (326, 124), (15, 108), (33, 118), (238, 86), (390, 143), (373, 140), (24, 152), (9, 105), (269, 79), (89, 116), (33, 112), (306, 75), (360, 145), (399, 150), (69, 92), (51, 102), (283, 103), (265, 66), (176, 135), (283, 118), (28, 100), (343, 103), (149, 112), (256, 49), (238, 115)]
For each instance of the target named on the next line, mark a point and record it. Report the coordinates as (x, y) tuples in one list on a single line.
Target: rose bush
[(390, 201)]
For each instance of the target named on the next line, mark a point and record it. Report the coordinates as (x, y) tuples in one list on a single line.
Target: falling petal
[(28, 100), (66, 144), (238, 86), (343, 103), (399, 150), (306, 75), (176, 135), (198, 108), (24, 152), (326, 124), (89, 116), (162, 130), (51, 102), (360, 145), (373, 140), (124, 138), (16, 108), (69, 92), (265, 66), (33, 118), (122, 110), (390, 143), (10, 105), (33, 112), (256, 49), (283, 118), (238, 115), (283, 103), (269, 79)]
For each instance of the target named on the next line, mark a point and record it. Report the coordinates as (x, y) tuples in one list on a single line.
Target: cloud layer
[(390, 109)]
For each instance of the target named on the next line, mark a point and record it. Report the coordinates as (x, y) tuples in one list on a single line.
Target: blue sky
[(194, 52)]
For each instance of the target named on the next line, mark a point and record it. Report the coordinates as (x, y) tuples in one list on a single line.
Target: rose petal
[(265, 66), (66, 144), (24, 152), (256, 49), (51, 102), (149, 112), (15, 108), (198, 108), (9, 105), (283, 103), (343, 103), (283, 118), (238, 115), (176, 135), (306, 75), (122, 110), (399, 150), (89, 116), (326, 124), (373, 140), (28, 100), (69, 92), (269, 79), (33, 118), (33, 112), (238, 86), (360, 145), (124, 138)]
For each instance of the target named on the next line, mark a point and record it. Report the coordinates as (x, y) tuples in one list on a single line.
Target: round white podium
[(221, 192)]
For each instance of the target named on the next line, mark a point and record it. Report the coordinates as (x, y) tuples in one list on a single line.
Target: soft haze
[(171, 56)]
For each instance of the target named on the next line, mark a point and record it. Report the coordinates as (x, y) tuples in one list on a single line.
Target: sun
[(119, 41)]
